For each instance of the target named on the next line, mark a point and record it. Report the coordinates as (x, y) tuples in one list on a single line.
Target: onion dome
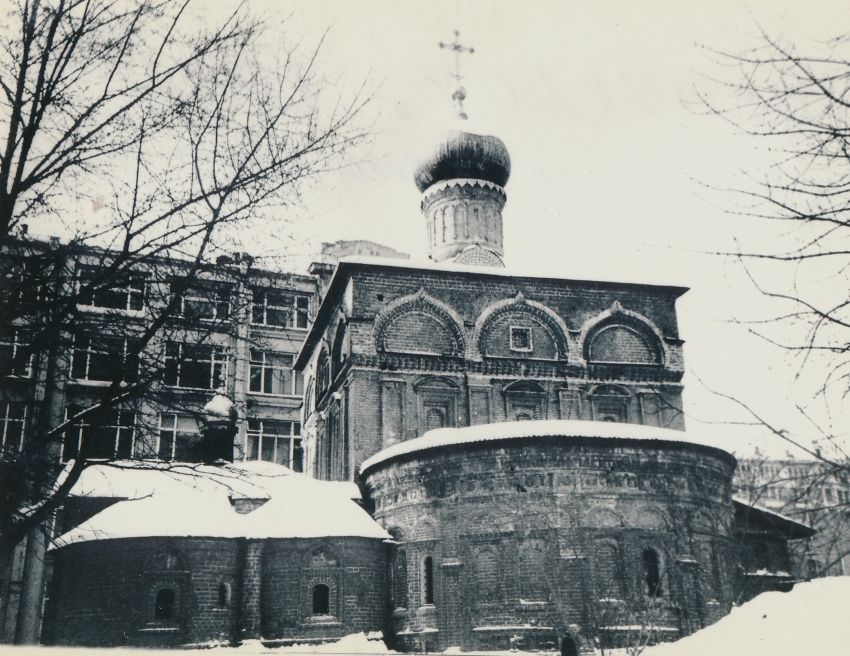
[(466, 155)]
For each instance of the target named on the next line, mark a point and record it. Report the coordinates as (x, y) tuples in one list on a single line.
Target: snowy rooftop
[(186, 500), (517, 430), (797, 527)]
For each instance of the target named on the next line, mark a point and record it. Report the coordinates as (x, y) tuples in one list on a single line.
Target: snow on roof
[(549, 428), (187, 500), (810, 619), (795, 523)]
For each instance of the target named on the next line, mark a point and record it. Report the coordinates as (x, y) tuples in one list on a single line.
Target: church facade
[(506, 455)]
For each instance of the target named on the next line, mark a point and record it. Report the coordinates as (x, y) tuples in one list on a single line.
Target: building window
[(271, 373), (323, 374), (206, 304), (164, 604), (104, 358), (13, 417), (275, 440), (610, 403), (15, 354), (177, 436), (286, 310), (126, 294), (321, 599), (26, 279), (105, 434), (426, 581), (200, 366), (223, 595), (520, 338), (652, 572)]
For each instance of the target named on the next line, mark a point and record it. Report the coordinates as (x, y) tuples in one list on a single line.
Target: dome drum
[(463, 213)]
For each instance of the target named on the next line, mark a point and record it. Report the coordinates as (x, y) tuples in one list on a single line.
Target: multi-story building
[(234, 326)]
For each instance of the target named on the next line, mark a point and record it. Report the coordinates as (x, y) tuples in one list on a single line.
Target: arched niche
[(323, 372), (419, 323), (621, 336), (320, 583), (525, 400), (652, 519), (436, 403), (520, 328), (165, 578), (610, 403), (341, 347)]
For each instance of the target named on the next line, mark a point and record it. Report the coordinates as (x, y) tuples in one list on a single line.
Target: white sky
[(609, 157)]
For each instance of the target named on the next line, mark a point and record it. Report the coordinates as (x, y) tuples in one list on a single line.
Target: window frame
[(221, 300), (327, 599), (294, 439), (6, 420), (262, 361), (90, 352), (133, 287), (123, 429), (297, 311), (219, 356), (653, 585), (520, 349), (175, 431), (172, 607), (426, 581), (15, 344)]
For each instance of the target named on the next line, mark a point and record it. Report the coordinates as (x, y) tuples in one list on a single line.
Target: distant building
[(808, 491)]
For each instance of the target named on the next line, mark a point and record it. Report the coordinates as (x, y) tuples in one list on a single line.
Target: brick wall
[(545, 533), (105, 592), (406, 326), (354, 569)]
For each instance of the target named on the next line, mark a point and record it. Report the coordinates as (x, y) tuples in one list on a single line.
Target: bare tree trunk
[(28, 629)]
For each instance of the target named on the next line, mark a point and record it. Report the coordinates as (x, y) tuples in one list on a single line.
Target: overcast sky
[(609, 156)]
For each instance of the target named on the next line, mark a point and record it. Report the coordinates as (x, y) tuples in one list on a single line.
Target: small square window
[(520, 338)]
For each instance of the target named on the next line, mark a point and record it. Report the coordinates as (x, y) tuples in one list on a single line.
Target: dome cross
[(459, 94)]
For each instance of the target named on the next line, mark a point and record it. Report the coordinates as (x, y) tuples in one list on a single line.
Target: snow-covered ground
[(814, 618)]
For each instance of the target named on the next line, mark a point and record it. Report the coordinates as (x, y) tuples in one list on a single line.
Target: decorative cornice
[(462, 182)]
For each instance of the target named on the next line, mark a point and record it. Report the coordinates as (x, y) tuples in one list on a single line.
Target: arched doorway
[(568, 646)]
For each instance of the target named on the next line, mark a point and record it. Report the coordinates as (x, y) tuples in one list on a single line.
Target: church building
[(492, 460)]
